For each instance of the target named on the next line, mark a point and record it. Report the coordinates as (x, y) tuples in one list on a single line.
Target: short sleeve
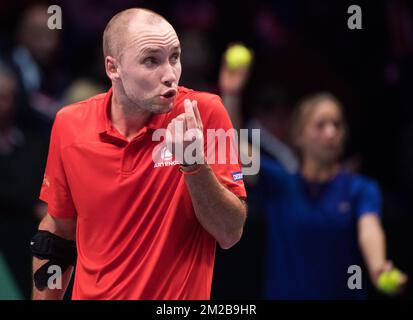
[(222, 156), (55, 190), (369, 199)]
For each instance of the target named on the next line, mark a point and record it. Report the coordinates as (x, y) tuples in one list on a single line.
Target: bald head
[(118, 29)]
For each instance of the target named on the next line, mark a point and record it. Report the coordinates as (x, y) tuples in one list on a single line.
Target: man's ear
[(111, 67)]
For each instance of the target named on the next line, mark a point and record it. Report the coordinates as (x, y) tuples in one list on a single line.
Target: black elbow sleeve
[(60, 252)]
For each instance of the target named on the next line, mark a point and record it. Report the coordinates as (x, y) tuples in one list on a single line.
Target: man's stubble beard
[(135, 109)]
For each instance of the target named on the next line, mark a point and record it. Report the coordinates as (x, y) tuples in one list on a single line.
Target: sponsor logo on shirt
[(46, 181), (237, 176), (166, 155), (166, 159)]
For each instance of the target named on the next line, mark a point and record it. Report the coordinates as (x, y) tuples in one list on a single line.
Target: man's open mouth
[(169, 94)]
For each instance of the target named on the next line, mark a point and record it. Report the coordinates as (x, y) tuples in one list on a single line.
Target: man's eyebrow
[(157, 50), (151, 50)]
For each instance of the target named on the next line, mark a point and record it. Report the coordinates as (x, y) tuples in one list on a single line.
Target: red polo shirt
[(137, 234)]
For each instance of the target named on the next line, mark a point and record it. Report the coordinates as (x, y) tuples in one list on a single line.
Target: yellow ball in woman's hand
[(238, 56), (389, 281)]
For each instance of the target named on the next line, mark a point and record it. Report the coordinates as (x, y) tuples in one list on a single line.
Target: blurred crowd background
[(299, 47)]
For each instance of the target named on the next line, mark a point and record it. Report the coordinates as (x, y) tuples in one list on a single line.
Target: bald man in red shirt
[(145, 220)]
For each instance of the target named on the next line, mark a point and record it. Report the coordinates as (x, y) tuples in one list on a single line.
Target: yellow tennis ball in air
[(388, 281), (238, 56)]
